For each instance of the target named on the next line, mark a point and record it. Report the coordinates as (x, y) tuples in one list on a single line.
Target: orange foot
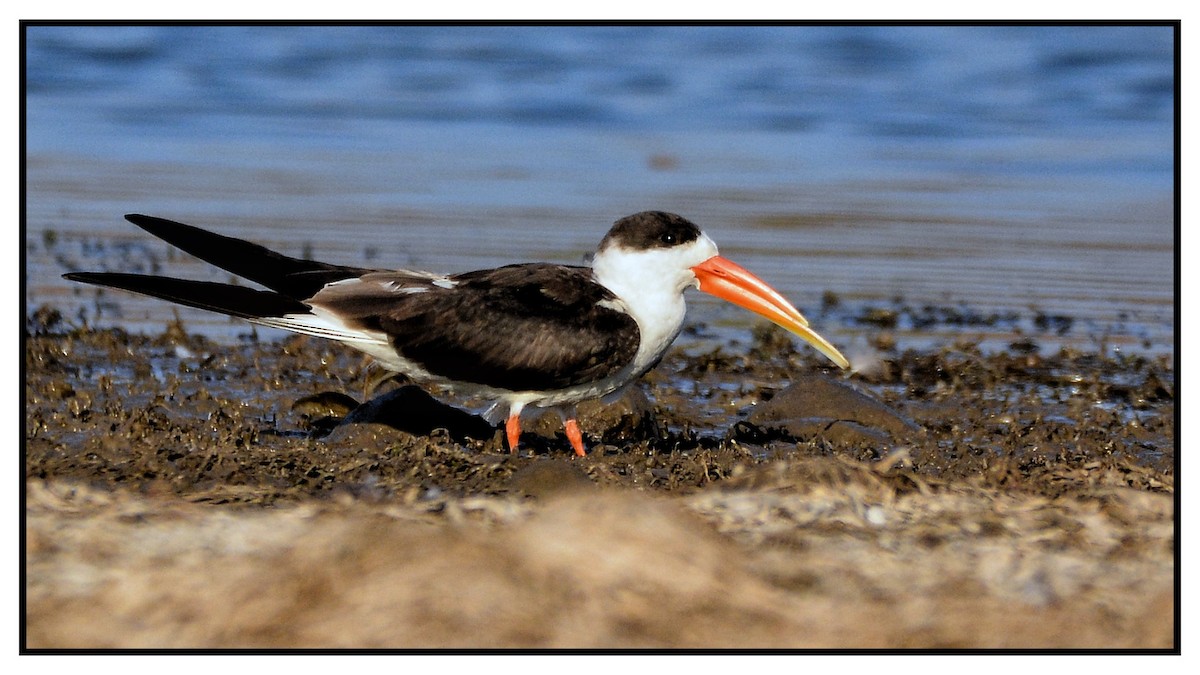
[(575, 436), (513, 428)]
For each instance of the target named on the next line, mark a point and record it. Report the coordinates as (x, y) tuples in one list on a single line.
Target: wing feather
[(522, 327)]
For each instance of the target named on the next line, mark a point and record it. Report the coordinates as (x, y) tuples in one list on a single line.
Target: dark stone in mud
[(815, 405), (412, 410)]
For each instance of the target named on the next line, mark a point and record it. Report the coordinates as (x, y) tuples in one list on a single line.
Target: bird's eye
[(668, 238)]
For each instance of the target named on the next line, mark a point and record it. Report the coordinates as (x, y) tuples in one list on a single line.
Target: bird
[(531, 334)]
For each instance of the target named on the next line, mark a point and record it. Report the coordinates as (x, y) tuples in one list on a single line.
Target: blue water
[(341, 85), (1003, 167)]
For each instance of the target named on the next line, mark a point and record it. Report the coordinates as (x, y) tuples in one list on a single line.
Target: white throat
[(650, 283)]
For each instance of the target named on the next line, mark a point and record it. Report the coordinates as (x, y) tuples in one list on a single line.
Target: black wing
[(532, 327)]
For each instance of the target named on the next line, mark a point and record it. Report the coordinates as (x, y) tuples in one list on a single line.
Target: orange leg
[(575, 436), (513, 428)]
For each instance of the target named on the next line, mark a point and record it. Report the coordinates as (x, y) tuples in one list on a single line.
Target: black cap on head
[(651, 229)]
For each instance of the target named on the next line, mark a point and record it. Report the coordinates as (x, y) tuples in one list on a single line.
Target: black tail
[(293, 277), (239, 301)]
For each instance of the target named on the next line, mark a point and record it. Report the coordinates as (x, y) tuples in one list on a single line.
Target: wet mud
[(181, 493)]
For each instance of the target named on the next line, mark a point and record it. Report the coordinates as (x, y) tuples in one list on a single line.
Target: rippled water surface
[(1010, 171)]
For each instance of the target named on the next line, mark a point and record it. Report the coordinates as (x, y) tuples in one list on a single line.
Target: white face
[(653, 271), (650, 284)]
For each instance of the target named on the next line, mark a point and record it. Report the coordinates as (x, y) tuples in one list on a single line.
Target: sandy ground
[(184, 494)]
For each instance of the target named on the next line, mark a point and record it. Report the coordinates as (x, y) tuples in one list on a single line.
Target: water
[(1011, 170)]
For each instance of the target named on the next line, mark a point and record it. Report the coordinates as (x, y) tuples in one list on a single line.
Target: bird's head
[(655, 251)]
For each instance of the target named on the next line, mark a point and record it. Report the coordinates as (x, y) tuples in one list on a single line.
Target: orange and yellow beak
[(729, 281)]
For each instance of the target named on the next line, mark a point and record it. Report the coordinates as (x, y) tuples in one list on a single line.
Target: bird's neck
[(654, 301)]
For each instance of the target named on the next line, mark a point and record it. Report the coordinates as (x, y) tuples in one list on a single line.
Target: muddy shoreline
[(181, 493)]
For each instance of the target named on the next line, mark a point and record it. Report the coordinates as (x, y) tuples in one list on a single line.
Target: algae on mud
[(181, 493)]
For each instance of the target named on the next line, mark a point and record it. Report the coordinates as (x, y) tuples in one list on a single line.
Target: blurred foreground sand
[(821, 553)]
